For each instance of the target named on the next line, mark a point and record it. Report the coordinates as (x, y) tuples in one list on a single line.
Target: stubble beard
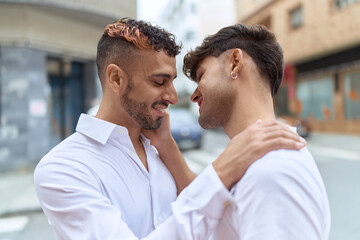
[(139, 111), (214, 116), (217, 108)]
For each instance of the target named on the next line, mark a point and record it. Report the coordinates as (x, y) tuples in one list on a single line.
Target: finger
[(283, 143), (278, 127), (271, 123), (282, 133)]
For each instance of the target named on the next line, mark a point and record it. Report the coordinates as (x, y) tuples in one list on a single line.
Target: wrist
[(166, 143), (224, 173), (228, 170)]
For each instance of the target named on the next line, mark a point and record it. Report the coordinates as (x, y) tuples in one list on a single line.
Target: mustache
[(160, 102)]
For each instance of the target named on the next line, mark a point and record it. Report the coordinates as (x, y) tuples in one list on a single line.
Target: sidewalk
[(18, 194), (339, 146)]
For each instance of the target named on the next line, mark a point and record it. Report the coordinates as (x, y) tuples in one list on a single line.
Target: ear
[(236, 58), (115, 77)]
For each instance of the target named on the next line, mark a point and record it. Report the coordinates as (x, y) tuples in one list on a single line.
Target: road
[(339, 168)]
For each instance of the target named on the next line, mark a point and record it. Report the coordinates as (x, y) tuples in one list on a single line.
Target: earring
[(232, 75)]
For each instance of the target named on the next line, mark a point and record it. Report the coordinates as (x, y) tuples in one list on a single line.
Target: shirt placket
[(157, 219)]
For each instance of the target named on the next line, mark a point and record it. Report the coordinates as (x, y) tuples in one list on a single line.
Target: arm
[(170, 154), (71, 198), (246, 147)]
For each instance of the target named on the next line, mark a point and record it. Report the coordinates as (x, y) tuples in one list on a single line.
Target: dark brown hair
[(122, 40), (257, 41)]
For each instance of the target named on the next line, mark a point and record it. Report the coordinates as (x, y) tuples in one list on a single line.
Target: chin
[(208, 123), (153, 125)]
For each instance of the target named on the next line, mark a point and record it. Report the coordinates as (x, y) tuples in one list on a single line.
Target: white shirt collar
[(96, 129), (101, 130)]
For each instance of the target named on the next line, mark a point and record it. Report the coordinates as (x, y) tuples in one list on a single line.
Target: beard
[(139, 111), (217, 106), (215, 113)]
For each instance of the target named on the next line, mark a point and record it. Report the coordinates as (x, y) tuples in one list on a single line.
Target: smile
[(159, 109)]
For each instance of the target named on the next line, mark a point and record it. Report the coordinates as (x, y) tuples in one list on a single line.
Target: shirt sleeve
[(279, 203), (76, 209)]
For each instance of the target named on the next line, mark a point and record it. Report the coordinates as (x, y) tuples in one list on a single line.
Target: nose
[(195, 96), (170, 95)]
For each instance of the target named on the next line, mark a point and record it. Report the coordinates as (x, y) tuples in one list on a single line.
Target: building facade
[(321, 43), (47, 71)]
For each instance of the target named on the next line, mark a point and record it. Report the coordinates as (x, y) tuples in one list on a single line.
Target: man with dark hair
[(106, 181), (281, 196)]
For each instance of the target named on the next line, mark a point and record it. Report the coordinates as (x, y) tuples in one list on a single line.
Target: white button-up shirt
[(280, 197), (93, 186)]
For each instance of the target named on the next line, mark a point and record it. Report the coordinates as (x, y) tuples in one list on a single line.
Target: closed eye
[(199, 78), (159, 84)]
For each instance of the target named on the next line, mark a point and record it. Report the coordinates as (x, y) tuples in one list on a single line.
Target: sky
[(150, 10)]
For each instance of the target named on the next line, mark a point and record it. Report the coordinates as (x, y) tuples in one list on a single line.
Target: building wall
[(326, 32), (110, 8), (47, 71), (325, 29), (23, 107), (52, 32)]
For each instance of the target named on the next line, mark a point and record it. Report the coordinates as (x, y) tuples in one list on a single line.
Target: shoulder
[(282, 171), (282, 190)]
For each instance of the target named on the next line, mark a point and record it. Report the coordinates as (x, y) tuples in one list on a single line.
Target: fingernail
[(300, 145), (302, 140)]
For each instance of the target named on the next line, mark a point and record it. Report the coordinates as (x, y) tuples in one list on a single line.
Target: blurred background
[(48, 78)]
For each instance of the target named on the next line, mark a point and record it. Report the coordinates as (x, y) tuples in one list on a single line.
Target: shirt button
[(226, 203), (157, 222), (121, 131)]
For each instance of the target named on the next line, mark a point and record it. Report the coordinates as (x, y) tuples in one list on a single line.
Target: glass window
[(316, 97), (338, 4), (352, 94), (190, 35), (1, 94), (296, 18), (193, 8)]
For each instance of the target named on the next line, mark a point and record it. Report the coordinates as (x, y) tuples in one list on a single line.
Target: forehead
[(208, 62), (153, 62)]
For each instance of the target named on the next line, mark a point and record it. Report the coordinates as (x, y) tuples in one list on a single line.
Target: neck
[(244, 114), (110, 112)]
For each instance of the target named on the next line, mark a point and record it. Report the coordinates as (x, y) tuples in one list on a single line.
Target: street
[(339, 167)]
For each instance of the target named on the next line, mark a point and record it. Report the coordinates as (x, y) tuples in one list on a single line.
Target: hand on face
[(161, 135), (250, 145)]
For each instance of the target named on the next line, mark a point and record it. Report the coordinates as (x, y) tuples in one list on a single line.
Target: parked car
[(185, 129), (302, 125)]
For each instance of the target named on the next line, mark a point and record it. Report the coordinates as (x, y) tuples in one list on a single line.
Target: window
[(296, 18), (1, 93), (193, 8), (352, 94), (338, 4), (316, 98), (190, 35)]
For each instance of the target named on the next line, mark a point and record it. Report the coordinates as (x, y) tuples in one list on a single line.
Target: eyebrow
[(163, 75)]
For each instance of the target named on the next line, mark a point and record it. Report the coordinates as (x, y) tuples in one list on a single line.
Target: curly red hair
[(130, 33)]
